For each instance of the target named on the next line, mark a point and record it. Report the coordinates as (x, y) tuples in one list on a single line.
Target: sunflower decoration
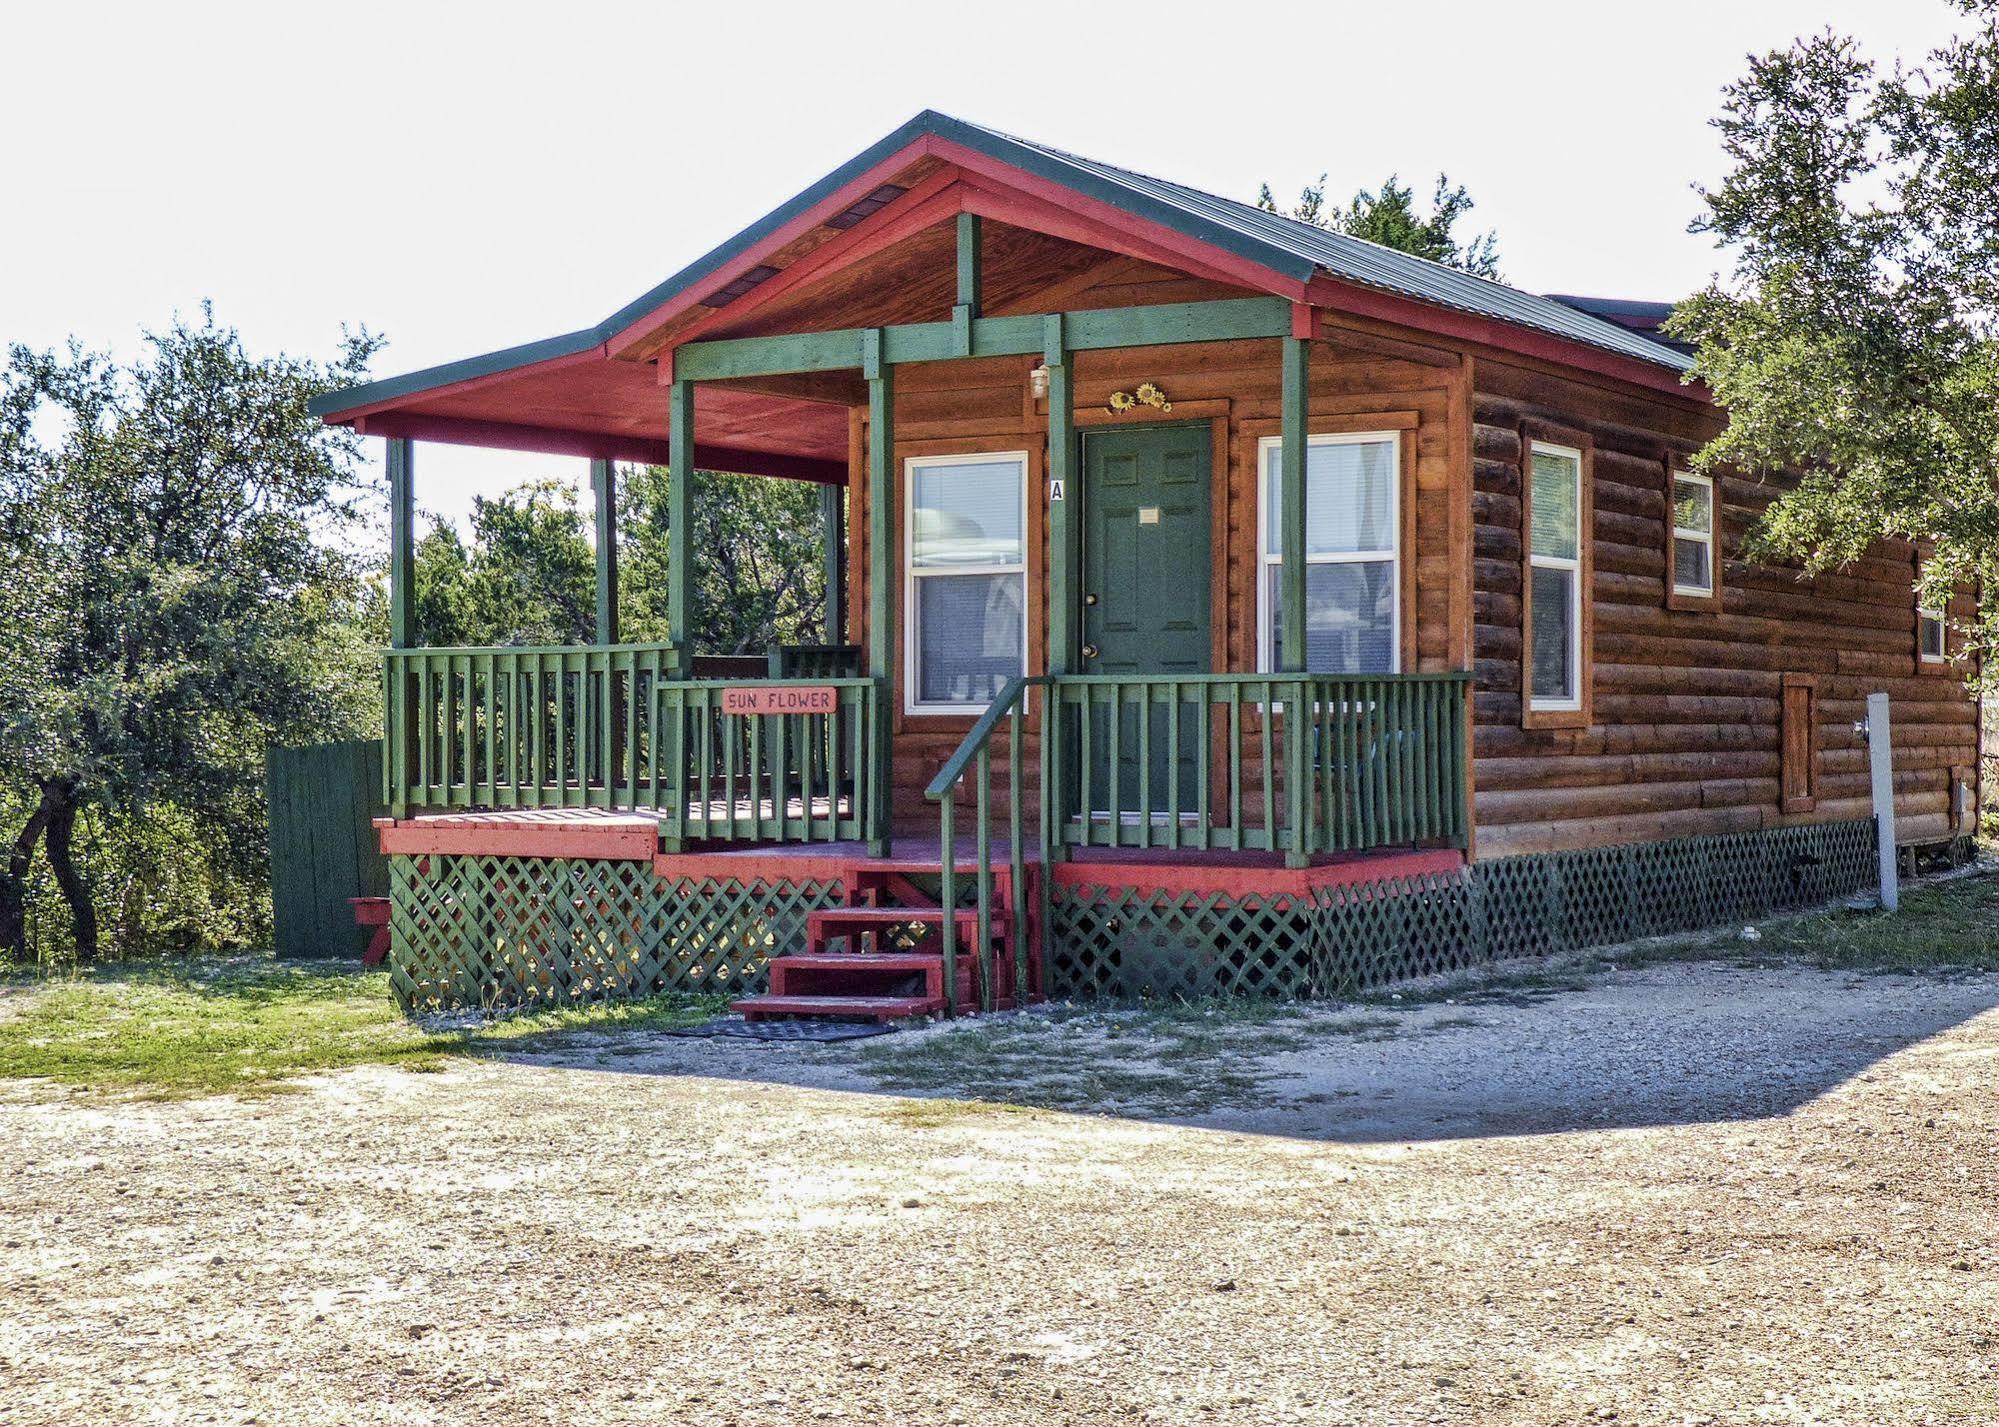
[(1153, 396), (1121, 402)]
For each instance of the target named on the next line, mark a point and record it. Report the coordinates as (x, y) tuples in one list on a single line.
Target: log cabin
[(1217, 604)]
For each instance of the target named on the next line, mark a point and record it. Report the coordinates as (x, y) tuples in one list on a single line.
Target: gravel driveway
[(1688, 1193)]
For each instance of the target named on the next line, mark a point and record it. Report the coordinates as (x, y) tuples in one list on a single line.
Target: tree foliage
[(179, 595), (1388, 216), (528, 573), (758, 579), (1855, 340)]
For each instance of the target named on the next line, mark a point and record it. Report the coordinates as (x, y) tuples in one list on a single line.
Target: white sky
[(462, 178)]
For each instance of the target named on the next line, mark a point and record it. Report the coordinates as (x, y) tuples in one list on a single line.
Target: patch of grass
[(250, 1025), (1945, 925)]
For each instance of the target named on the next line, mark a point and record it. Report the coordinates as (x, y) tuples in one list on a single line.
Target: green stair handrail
[(974, 753)]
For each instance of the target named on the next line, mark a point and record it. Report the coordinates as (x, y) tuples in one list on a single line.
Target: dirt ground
[(1689, 1193)]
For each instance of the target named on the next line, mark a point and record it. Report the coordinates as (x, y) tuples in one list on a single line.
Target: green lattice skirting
[(519, 931), (522, 931), (1116, 941)]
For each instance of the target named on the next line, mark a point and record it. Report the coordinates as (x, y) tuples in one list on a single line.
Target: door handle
[(1089, 651)]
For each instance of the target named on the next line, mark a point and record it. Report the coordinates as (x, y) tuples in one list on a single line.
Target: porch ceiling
[(599, 407)]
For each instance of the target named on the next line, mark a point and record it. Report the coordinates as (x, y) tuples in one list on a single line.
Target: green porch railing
[(615, 726), (768, 777), (564, 726), (1300, 764), (1217, 761)]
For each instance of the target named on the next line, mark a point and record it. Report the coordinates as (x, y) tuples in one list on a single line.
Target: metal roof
[(1282, 244), (1370, 264)]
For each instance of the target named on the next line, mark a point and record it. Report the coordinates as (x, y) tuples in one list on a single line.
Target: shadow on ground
[(1542, 1052)]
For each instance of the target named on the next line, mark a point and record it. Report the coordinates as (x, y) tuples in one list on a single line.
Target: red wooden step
[(895, 916), (904, 962), (849, 1007), (855, 923)]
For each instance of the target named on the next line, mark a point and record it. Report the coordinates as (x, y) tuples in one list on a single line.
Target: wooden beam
[(833, 535), (1231, 319), (971, 277), (554, 441), (604, 495), (402, 545), (679, 515), (1064, 528), (1291, 501), (882, 569)]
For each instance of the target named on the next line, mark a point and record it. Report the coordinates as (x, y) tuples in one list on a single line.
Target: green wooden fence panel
[(323, 801)]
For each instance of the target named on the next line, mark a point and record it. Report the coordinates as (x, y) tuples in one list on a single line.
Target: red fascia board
[(935, 202), (1005, 204), (1225, 266), (553, 441), (1340, 296), (837, 203)]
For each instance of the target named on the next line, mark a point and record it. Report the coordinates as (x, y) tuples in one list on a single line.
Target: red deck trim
[(552, 833), (1250, 879), (775, 865)]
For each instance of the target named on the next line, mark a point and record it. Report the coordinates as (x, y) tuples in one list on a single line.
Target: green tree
[(1855, 340), (1388, 217), (179, 593), (758, 579)]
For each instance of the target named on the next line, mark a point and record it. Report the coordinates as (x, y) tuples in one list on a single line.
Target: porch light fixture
[(1037, 382)]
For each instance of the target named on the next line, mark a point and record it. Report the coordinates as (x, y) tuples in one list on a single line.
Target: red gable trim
[(838, 202), (1449, 322)]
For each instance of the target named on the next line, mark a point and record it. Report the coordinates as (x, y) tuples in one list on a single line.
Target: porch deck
[(633, 835)]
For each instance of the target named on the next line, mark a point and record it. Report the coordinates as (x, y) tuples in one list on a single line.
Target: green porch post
[(833, 531), (679, 508), (1291, 505), (604, 493), (881, 574), (399, 689), (1291, 588), (402, 545), (1063, 531), (1064, 561)]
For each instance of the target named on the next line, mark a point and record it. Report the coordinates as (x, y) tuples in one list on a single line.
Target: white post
[(1881, 771)]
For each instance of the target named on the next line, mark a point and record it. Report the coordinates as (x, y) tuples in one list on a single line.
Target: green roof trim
[(1285, 246)]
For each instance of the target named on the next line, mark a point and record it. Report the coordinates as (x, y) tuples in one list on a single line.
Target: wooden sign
[(780, 699)]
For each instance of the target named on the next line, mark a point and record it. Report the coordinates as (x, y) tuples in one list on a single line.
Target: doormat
[(783, 1030)]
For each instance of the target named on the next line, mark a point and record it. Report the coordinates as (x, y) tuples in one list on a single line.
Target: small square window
[(1930, 635)]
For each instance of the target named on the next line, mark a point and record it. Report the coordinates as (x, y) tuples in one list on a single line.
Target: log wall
[(1686, 737), (1232, 387)]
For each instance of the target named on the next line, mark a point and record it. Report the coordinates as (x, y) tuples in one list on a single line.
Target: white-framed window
[(1555, 656), (1353, 537), (965, 591), (1693, 534), (1929, 635)]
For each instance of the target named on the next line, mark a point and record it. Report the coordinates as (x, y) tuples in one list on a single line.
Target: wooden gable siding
[(1687, 731), (984, 405)]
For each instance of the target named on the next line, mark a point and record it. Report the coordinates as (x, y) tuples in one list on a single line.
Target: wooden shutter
[(1800, 743)]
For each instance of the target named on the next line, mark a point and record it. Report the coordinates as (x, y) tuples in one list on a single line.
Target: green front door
[(1147, 571)]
